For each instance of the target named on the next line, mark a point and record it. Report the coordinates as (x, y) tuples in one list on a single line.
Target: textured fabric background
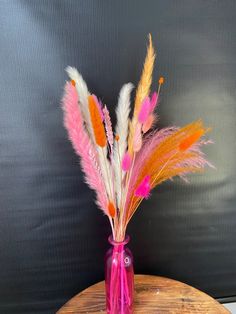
[(52, 237)]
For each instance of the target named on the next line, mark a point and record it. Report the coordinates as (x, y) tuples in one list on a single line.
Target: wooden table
[(152, 295)]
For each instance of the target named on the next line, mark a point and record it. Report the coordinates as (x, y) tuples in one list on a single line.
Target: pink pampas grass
[(83, 146)]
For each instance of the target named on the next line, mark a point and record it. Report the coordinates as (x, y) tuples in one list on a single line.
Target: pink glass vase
[(119, 278)]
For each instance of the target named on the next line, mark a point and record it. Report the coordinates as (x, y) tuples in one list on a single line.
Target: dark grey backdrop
[(52, 237)]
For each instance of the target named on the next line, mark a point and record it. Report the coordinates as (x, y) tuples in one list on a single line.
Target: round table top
[(152, 295)]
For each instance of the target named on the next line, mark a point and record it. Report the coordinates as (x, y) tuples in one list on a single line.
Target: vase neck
[(118, 243)]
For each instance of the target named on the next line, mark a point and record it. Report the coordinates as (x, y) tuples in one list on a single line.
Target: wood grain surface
[(152, 295)]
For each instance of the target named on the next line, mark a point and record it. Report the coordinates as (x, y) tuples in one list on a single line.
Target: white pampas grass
[(83, 94), (122, 127)]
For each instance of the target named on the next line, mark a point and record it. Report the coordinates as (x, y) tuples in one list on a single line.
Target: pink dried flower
[(143, 190)]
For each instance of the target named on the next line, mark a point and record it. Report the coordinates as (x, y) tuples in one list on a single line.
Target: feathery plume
[(190, 140), (163, 159), (83, 93), (121, 130), (83, 146), (122, 114)]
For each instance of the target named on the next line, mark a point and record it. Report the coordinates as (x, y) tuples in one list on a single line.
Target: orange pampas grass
[(175, 155), (169, 151), (189, 141), (98, 127)]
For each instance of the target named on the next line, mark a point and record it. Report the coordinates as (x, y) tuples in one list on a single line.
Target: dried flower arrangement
[(123, 165)]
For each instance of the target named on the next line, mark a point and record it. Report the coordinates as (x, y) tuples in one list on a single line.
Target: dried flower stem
[(112, 227), (128, 178)]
